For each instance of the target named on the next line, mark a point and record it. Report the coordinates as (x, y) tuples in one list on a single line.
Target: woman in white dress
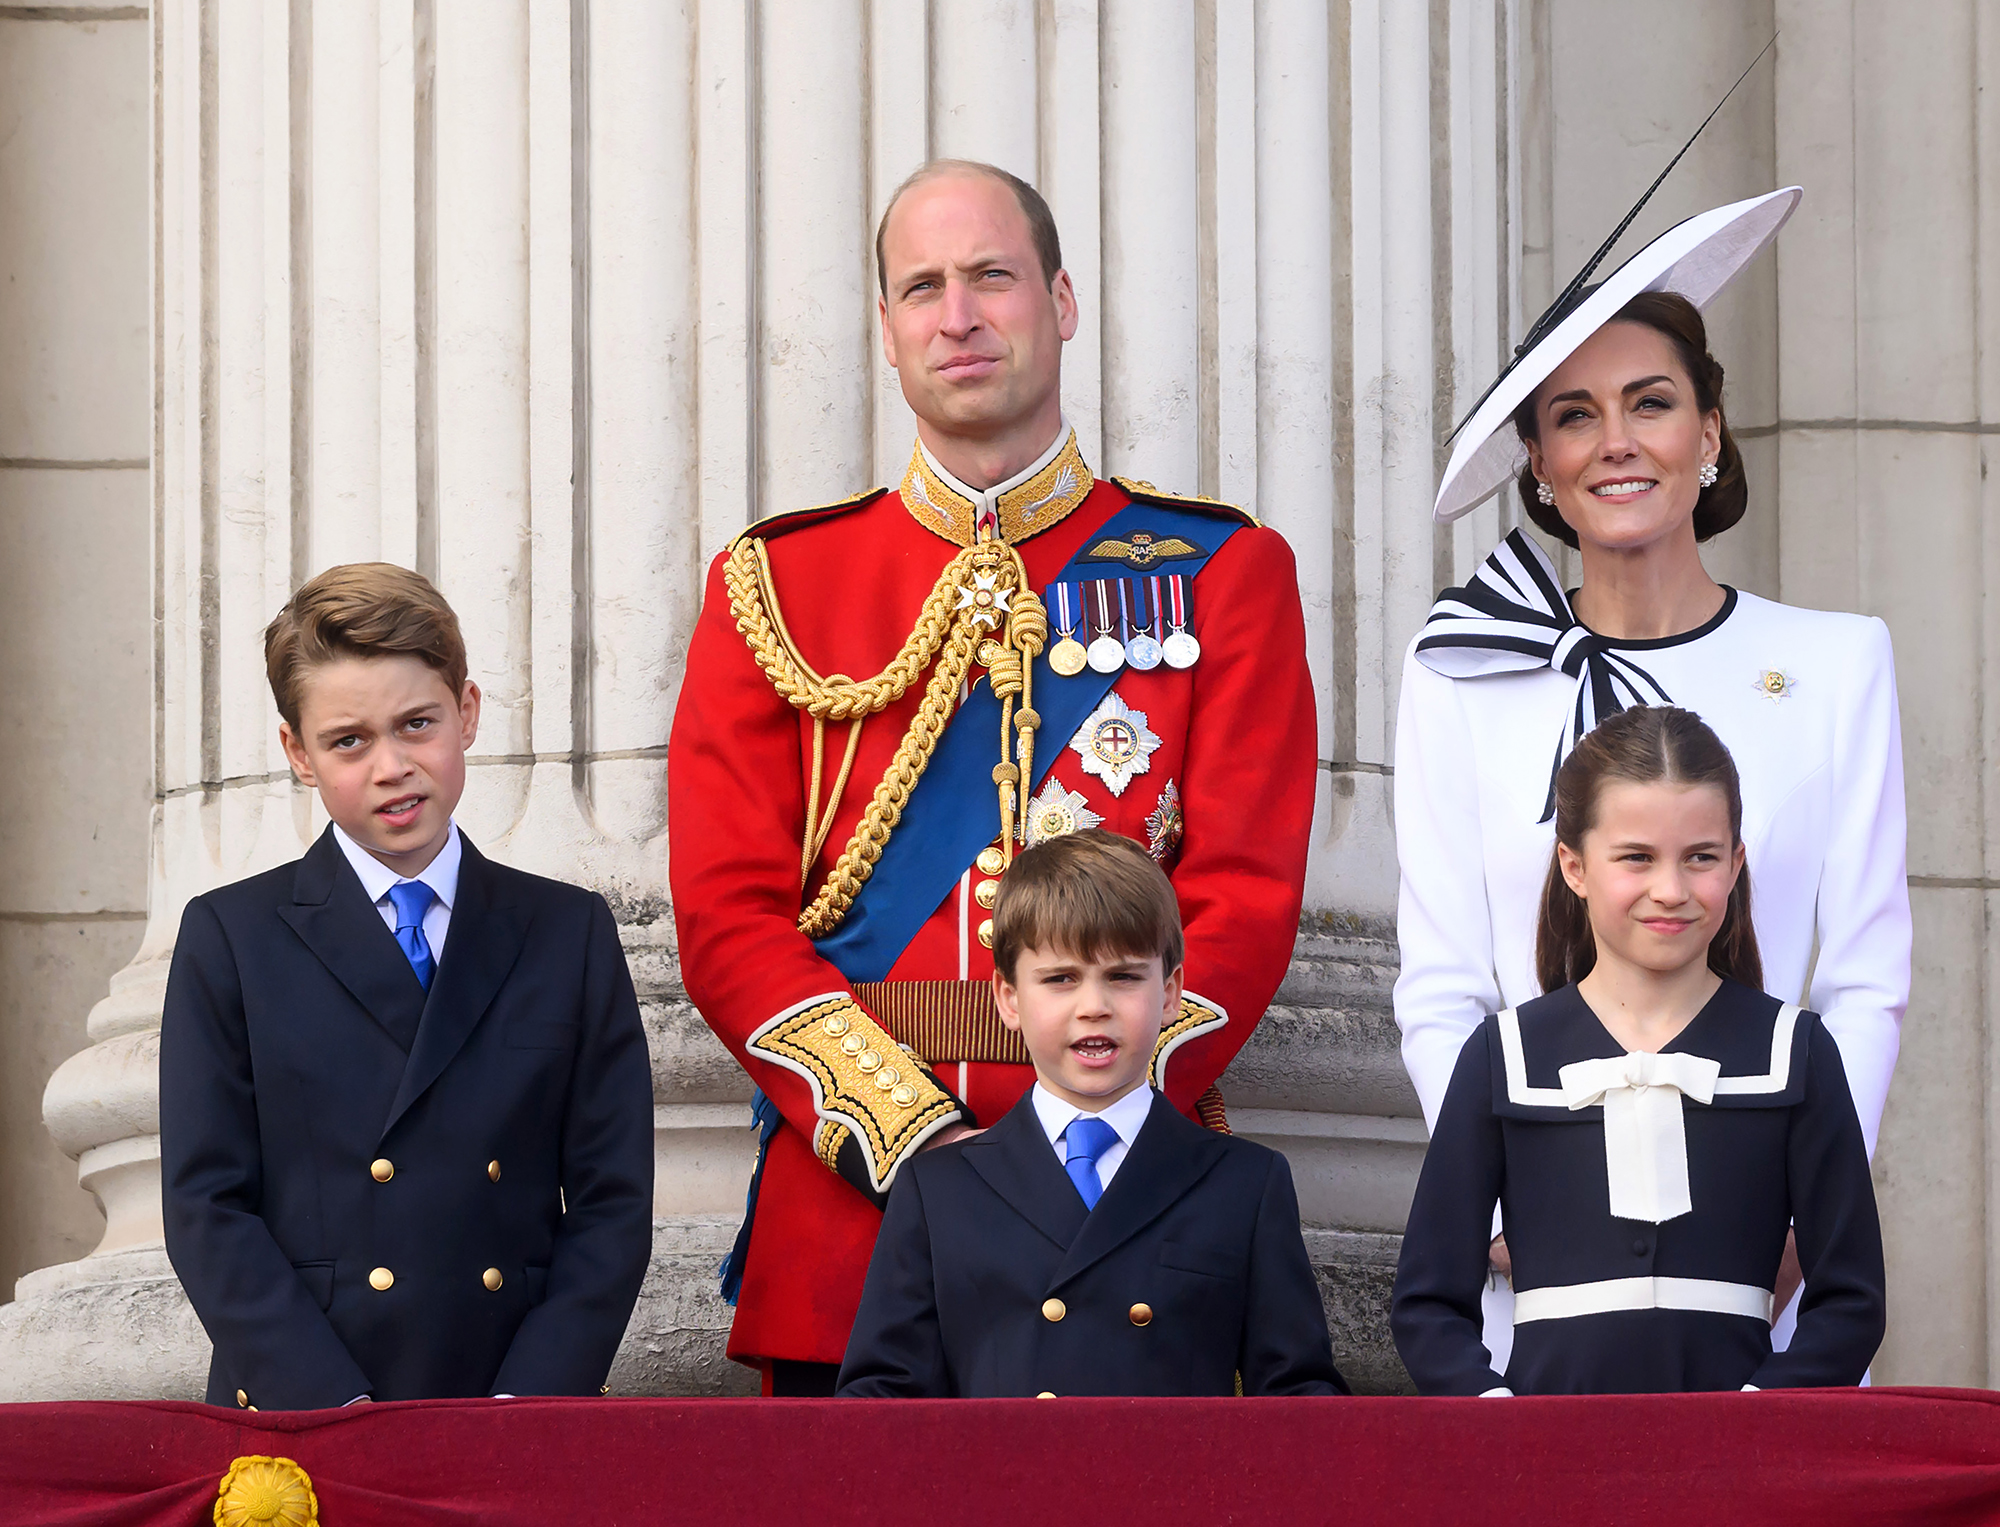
[(1614, 418)]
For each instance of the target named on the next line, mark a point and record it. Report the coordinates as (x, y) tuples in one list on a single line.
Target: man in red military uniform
[(886, 695)]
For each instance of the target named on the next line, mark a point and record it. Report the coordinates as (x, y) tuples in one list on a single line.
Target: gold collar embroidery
[(1038, 498)]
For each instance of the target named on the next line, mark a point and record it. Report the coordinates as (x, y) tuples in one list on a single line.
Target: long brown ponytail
[(1648, 744)]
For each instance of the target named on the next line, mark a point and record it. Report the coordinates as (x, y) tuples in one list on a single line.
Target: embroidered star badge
[(1775, 684), (1164, 823), (1115, 743), (986, 602), (1056, 811)]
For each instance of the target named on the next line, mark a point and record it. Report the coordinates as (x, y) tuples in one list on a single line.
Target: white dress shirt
[(1126, 1117), (441, 875)]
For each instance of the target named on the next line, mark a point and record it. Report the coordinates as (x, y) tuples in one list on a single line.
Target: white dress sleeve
[(1861, 982), (1444, 926)]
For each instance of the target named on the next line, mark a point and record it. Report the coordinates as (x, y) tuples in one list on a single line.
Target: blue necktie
[(1086, 1139), (412, 898)]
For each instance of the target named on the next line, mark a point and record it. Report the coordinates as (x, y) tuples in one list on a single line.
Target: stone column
[(74, 596), (547, 298), (1889, 393)]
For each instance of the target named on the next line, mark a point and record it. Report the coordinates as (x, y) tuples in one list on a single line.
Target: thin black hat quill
[(1558, 310)]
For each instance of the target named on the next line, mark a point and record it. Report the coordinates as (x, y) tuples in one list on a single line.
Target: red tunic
[(1236, 741)]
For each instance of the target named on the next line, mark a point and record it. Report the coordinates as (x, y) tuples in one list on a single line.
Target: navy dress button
[(1638, 1248)]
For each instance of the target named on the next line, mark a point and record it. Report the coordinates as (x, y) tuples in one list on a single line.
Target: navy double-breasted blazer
[(990, 1278), (371, 1189)]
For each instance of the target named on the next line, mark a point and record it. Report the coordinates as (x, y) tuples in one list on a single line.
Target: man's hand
[(950, 1133), (1502, 1263), (1789, 1277)]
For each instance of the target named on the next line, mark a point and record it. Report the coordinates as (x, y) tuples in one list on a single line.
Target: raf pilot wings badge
[(1141, 550)]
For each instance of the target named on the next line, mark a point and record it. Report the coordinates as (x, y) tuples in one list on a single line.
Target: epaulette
[(794, 519), (1146, 493)]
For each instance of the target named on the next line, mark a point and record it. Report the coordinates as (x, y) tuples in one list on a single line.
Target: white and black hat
[(1696, 259)]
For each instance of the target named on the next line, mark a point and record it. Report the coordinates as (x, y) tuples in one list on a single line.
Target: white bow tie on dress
[(1645, 1135)]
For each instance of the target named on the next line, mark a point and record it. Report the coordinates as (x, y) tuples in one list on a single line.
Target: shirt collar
[(1030, 501), (1126, 1117), (441, 874)]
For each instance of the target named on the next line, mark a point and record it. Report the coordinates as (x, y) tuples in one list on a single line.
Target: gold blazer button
[(1046, 1394), (1142, 1314), (243, 1399), (990, 860), (381, 1279), (491, 1278), (492, 1171), (381, 1169), (1054, 1309)]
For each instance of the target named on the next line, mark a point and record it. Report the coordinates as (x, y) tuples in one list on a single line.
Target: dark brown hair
[(1089, 894), (360, 609), (1718, 506), (1657, 744), (1041, 221)]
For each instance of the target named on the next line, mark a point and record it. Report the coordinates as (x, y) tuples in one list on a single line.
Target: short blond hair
[(360, 609), (1089, 894)]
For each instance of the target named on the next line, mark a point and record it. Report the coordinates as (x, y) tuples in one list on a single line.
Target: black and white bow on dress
[(1513, 617)]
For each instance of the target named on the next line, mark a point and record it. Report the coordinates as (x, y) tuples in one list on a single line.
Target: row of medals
[(1107, 653)]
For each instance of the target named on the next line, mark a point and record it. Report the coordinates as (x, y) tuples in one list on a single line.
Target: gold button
[(380, 1279), (1054, 1309), (986, 934), (991, 861), (604, 1389), (903, 1096), (853, 1044), (868, 1060), (988, 652), (986, 893), (1142, 1314), (491, 1277), (1046, 1394), (381, 1169), (836, 1025), (887, 1078), (243, 1399), (492, 1171)]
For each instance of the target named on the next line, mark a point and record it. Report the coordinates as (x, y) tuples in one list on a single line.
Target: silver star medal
[(1774, 684), (1115, 743), (987, 603), (1058, 810)]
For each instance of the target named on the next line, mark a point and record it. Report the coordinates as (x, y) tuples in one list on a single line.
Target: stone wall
[(75, 592)]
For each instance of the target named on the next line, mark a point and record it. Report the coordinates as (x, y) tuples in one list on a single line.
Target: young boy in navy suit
[(406, 1112), (1094, 1241)]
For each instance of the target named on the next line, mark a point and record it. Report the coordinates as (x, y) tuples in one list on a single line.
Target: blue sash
[(954, 810)]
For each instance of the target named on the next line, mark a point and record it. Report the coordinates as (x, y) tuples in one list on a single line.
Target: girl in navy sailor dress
[(1651, 1127)]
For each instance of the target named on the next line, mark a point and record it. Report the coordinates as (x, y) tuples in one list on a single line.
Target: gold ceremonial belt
[(943, 1020)]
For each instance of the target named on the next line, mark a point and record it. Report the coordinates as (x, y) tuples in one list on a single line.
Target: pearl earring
[(1709, 472), (1545, 493)]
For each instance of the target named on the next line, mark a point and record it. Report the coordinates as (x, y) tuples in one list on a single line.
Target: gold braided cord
[(956, 624), (753, 600)]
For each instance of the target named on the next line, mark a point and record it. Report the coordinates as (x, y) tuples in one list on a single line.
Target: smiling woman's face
[(1623, 439)]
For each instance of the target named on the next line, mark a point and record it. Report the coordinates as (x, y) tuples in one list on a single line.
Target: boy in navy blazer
[(406, 1111), (1094, 1241)]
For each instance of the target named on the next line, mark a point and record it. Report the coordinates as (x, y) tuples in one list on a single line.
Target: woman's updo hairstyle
[(1656, 744), (1720, 505)]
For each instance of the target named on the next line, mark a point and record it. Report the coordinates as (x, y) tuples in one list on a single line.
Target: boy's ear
[(468, 715), (1004, 1000), (295, 755), (1570, 862), (1176, 984)]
